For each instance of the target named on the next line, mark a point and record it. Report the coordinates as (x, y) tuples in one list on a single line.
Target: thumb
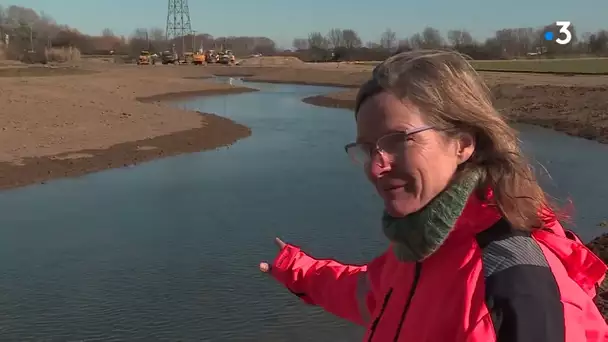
[(266, 267)]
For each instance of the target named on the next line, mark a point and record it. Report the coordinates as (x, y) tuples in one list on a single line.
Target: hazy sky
[(282, 20)]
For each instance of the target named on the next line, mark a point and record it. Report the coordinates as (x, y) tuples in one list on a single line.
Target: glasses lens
[(393, 144), (359, 153)]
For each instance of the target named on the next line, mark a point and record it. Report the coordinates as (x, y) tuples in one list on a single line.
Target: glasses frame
[(376, 148)]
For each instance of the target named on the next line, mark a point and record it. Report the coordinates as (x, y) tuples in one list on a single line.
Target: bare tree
[(351, 39), (432, 38), (335, 37), (139, 41), (388, 40), (140, 33), (156, 34), (107, 33), (21, 15), (300, 43), (458, 38), (372, 45), (316, 40), (598, 42), (404, 45), (416, 41)]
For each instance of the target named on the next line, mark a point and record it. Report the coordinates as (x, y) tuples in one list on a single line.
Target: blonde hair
[(455, 100)]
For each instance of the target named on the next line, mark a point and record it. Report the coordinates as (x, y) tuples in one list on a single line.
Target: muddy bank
[(577, 111), (215, 131), (193, 93)]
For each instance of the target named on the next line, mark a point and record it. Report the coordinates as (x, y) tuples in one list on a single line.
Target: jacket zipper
[(375, 323), (417, 272)]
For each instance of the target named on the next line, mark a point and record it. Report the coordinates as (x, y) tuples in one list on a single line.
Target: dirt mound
[(271, 61)]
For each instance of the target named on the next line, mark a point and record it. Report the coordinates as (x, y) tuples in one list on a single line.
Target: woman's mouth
[(393, 188)]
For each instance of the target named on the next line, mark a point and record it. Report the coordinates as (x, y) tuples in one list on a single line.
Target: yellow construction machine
[(198, 58), (145, 58), (195, 58)]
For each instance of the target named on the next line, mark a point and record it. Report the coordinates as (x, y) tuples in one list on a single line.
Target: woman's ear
[(465, 147)]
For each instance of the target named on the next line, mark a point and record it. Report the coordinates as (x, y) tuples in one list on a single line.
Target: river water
[(168, 250)]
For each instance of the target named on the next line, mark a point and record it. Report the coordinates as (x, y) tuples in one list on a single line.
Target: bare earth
[(70, 125)]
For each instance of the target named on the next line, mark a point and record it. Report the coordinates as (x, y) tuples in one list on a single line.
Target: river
[(168, 250)]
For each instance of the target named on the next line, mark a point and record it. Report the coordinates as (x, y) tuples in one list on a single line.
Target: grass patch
[(570, 66), (584, 66)]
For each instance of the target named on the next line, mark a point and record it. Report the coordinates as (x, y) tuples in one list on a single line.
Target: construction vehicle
[(169, 57), (226, 57), (187, 58), (198, 58), (145, 58), (192, 58), (211, 56)]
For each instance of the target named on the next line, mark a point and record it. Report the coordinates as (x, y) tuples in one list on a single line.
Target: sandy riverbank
[(58, 126)]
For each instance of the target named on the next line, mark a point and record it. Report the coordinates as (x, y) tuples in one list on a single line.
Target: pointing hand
[(266, 267)]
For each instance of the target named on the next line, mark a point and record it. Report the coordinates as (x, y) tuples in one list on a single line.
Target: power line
[(178, 19)]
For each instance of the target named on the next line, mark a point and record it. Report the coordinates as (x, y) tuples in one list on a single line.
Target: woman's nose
[(379, 164)]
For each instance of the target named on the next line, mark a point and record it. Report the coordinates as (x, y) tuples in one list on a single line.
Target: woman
[(475, 252)]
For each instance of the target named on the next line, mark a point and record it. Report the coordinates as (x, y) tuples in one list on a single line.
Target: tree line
[(508, 43), (27, 30)]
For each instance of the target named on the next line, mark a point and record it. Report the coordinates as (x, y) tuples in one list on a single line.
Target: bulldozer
[(145, 58)]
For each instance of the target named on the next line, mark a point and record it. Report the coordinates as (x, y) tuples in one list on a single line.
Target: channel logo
[(564, 35)]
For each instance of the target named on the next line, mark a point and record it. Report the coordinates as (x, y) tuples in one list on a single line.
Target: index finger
[(279, 243)]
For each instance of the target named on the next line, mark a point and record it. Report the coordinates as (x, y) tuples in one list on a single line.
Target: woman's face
[(424, 163)]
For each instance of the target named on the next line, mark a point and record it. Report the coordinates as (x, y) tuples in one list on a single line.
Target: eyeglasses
[(388, 146)]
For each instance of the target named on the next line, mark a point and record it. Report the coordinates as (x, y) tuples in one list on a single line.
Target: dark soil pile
[(215, 131)]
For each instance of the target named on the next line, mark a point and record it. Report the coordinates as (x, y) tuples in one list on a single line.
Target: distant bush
[(65, 54)]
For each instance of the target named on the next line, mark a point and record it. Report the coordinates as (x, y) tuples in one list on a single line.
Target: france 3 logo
[(564, 35)]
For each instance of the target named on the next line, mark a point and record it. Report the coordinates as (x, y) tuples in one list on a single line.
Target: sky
[(283, 20)]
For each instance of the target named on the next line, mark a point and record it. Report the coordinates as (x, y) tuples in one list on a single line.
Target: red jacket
[(486, 283)]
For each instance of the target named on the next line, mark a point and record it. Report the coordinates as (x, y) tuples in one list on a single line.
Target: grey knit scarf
[(418, 235)]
